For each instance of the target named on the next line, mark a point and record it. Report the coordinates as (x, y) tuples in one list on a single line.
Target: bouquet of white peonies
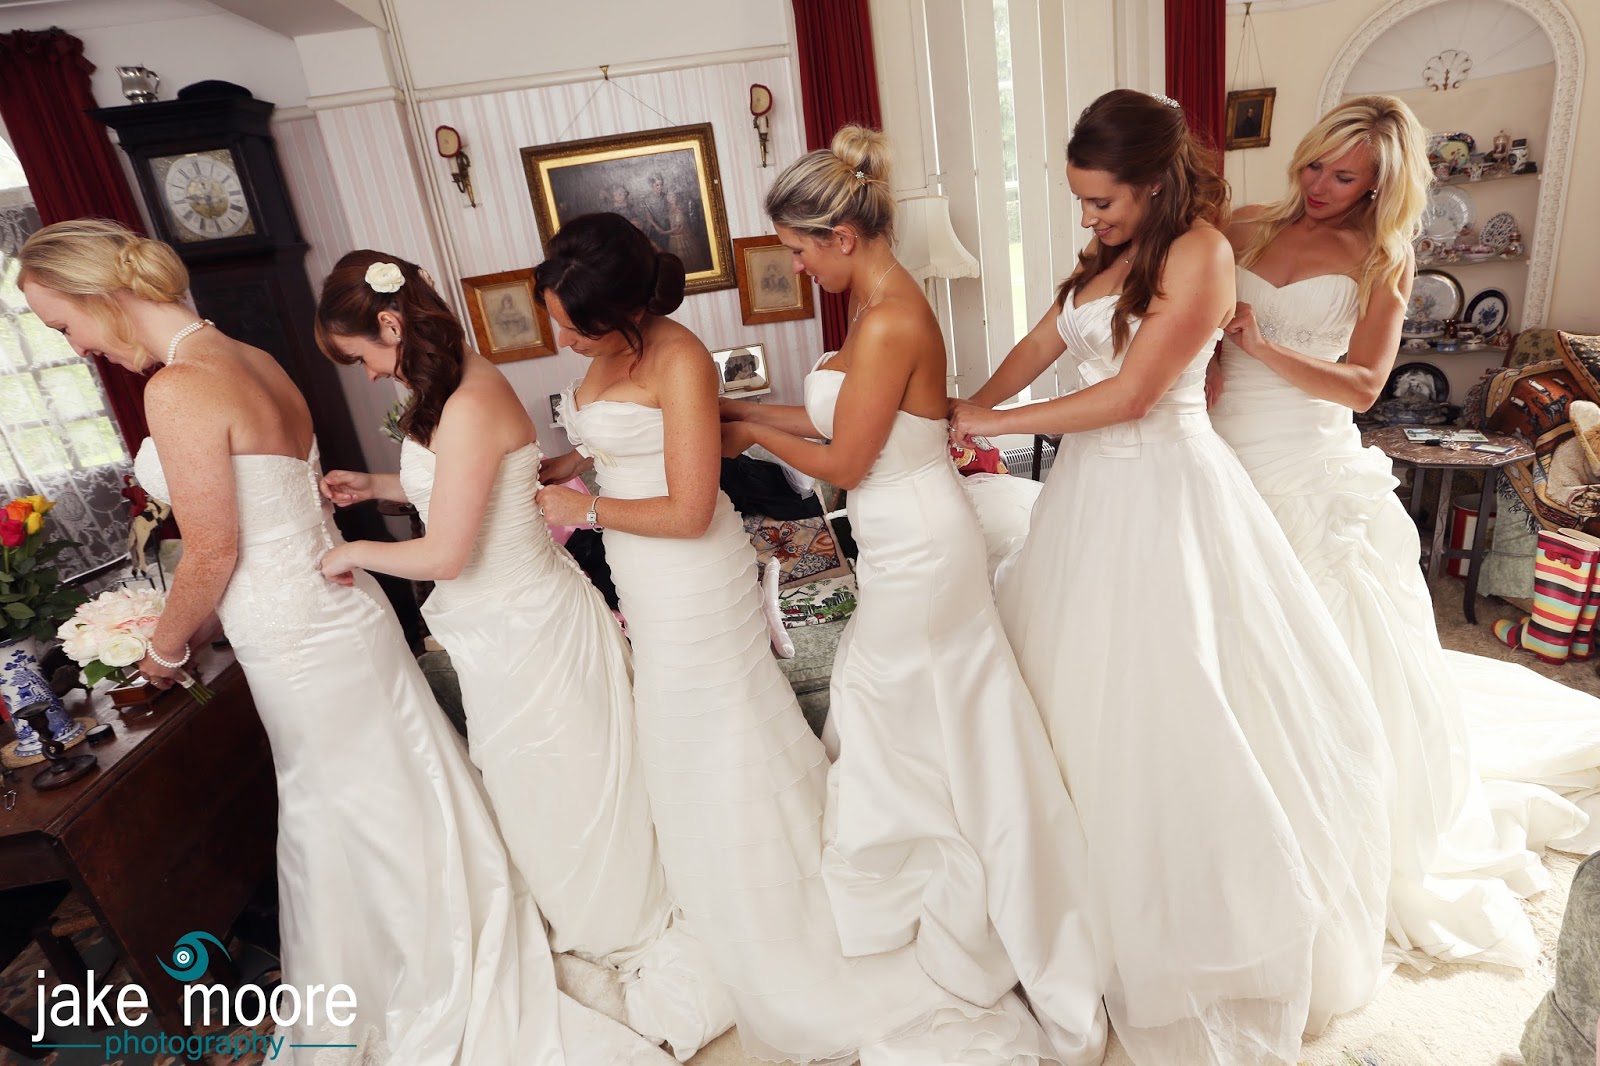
[(113, 632)]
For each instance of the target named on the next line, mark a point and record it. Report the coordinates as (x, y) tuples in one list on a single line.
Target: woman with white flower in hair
[(545, 675), (391, 876)]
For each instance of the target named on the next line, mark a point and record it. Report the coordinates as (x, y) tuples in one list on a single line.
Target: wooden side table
[(1448, 461)]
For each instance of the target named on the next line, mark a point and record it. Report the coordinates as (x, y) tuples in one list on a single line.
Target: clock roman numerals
[(203, 195)]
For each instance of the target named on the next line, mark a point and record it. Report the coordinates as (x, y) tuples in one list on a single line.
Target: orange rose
[(19, 510)]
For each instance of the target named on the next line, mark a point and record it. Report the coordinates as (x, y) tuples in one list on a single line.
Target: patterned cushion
[(1531, 401), (1581, 355), (1533, 346), (804, 547)]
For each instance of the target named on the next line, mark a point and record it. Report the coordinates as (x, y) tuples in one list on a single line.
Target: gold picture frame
[(508, 320), (769, 289), (1247, 119), (664, 181)]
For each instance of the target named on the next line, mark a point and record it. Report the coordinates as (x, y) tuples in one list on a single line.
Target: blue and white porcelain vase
[(22, 683)]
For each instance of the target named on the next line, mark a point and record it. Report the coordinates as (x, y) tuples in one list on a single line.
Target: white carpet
[(1452, 1016)]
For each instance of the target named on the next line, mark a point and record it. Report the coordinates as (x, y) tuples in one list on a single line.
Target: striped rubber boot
[(1583, 635), (1562, 572)]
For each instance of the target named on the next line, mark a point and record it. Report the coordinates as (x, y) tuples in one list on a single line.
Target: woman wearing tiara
[(1230, 775)]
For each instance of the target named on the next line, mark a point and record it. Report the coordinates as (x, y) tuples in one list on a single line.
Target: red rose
[(12, 533)]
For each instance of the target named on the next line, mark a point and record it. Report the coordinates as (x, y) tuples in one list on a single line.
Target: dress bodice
[(277, 495), (1259, 408), (1181, 411), (285, 527), (914, 444), (513, 543), (625, 440)]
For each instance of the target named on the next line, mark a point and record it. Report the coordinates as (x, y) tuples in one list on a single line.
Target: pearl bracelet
[(159, 661)]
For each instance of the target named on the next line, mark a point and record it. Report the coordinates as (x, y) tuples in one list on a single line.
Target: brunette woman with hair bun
[(544, 670), (392, 879), (1227, 761), (737, 779)]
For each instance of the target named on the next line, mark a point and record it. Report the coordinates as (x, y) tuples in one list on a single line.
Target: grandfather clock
[(209, 173)]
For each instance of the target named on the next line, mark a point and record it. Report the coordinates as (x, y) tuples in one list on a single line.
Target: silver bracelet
[(159, 661)]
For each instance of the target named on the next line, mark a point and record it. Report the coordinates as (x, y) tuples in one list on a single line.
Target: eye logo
[(191, 957)]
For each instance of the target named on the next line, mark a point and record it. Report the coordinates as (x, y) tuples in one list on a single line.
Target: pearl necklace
[(177, 338), (864, 303)]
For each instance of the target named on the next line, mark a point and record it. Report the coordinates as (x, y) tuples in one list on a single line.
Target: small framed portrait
[(769, 289), (1248, 118), (555, 408), (507, 320), (743, 371), (663, 181)]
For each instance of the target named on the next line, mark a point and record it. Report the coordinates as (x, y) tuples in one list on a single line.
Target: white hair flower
[(385, 277)]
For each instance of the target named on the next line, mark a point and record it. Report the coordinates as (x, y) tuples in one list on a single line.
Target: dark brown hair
[(433, 347), (1146, 143), (606, 272)]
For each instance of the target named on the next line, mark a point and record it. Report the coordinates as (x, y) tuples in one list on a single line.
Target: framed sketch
[(742, 371), (1248, 118), (555, 408), (507, 320), (769, 289), (663, 181)]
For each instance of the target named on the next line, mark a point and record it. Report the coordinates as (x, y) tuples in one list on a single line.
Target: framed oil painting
[(663, 181), (1247, 121), (508, 322), (769, 289)]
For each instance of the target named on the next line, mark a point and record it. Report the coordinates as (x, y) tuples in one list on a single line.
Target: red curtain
[(72, 168), (839, 85), (1196, 54)]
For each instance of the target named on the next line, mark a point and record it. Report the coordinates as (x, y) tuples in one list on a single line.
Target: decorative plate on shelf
[(1498, 230), (1417, 383), (1449, 211), (1435, 296), (1489, 311)]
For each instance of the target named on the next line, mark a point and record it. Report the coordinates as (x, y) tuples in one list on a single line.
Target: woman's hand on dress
[(555, 470), (969, 420), (737, 438), (338, 566), (1213, 381), (346, 487), (1245, 330), (562, 506)]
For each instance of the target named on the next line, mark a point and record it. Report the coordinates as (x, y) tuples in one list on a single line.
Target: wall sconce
[(449, 143), (760, 104)]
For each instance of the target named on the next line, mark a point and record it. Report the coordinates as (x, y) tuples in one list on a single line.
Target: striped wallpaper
[(378, 198)]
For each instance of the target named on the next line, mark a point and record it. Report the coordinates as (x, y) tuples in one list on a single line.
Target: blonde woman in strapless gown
[(1322, 294), (392, 878)]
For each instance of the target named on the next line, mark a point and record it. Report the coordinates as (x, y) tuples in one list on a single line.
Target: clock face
[(203, 196)]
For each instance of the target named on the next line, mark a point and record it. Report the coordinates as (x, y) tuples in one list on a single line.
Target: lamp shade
[(925, 243)]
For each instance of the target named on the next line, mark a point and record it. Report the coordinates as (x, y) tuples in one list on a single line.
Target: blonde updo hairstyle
[(92, 259), (1392, 217), (844, 184)]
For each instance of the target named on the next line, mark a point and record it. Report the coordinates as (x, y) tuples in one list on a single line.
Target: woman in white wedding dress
[(1324, 273), (544, 671), (1229, 771), (948, 825), (391, 875), (737, 780)]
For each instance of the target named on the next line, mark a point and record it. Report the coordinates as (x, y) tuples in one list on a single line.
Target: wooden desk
[(1424, 457), (172, 833)]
